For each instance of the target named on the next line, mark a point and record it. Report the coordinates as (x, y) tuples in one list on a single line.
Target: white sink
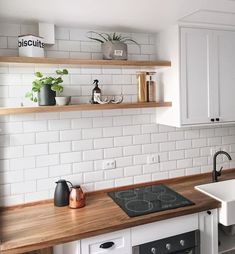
[(225, 193)]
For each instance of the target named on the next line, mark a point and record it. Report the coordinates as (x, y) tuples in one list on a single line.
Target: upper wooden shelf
[(41, 109), (84, 62)]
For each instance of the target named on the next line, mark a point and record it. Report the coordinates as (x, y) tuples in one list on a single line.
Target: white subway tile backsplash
[(124, 181), (133, 170), (60, 147), (11, 152), (112, 131), (42, 148), (185, 163), (22, 139), (141, 139), (123, 141), (86, 166), (82, 123), (33, 150), (55, 125), (35, 173), (60, 170), (103, 143), (112, 152), (47, 137), (92, 177), (82, 145), (70, 135), (132, 150), (47, 160), (142, 178), (22, 163), (34, 126), (104, 185), (70, 157), (92, 155), (113, 173), (23, 187), (92, 133)]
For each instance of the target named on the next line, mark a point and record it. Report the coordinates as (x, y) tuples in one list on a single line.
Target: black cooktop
[(149, 199)]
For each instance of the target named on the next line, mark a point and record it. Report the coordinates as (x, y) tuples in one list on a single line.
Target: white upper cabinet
[(204, 87), (225, 45), (196, 103)]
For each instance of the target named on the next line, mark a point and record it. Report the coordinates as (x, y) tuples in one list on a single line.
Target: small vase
[(63, 100), (46, 97)]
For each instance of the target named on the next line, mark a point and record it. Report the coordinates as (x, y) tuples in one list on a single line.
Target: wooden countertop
[(42, 225)]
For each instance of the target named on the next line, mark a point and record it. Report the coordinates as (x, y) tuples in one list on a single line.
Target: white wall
[(38, 149)]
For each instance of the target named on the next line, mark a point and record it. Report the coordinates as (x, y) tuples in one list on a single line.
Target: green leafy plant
[(54, 82), (104, 37)]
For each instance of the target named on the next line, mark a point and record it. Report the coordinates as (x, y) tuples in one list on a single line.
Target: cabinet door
[(67, 248), (208, 225), (225, 41), (197, 75), (118, 242)]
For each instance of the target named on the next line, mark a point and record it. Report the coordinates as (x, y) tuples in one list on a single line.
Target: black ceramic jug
[(61, 195)]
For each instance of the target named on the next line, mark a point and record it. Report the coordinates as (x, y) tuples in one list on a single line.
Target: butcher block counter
[(40, 225)]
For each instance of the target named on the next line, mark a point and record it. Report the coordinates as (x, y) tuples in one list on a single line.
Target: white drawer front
[(121, 240), (162, 229)]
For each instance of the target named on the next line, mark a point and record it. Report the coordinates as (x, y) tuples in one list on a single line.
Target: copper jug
[(77, 198)]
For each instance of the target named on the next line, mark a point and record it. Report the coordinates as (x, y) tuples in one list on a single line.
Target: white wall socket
[(109, 164), (153, 158)]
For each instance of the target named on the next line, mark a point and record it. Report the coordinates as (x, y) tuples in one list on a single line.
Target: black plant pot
[(46, 97)]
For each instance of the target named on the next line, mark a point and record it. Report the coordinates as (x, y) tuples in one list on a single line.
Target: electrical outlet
[(153, 158), (109, 164)]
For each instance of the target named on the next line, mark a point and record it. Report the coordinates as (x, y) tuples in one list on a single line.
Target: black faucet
[(216, 173)]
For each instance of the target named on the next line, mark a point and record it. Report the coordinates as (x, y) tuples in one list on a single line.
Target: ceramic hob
[(148, 199)]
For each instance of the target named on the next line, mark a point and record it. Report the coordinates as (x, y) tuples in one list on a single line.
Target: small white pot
[(61, 101)]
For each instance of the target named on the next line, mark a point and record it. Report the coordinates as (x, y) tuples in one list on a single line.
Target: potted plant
[(113, 45), (44, 89)]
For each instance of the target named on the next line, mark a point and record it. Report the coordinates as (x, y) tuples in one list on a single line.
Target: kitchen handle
[(217, 119), (212, 119), (106, 245)]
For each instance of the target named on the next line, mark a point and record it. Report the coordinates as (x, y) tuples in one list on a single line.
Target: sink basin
[(225, 193)]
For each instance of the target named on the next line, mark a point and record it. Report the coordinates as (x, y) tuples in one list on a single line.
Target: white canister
[(31, 46)]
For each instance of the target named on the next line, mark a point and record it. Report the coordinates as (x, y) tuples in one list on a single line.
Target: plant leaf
[(28, 94), (65, 71), (38, 74), (96, 39), (59, 72)]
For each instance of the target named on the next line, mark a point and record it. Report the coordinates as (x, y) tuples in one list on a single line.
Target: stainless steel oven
[(187, 243)]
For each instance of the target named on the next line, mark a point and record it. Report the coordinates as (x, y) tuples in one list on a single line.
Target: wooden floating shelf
[(41, 109), (83, 62)]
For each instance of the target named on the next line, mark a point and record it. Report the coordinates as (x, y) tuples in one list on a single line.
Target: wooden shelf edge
[(79, 107), (84, 62)]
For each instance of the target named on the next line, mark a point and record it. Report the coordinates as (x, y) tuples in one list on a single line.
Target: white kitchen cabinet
[(225, 55), (196, 73), (67, 248), (208, 226), (118, 242), (201, 80)]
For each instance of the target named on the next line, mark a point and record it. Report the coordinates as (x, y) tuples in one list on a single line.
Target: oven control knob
[(168, 246), (182, 243), (154, 250)]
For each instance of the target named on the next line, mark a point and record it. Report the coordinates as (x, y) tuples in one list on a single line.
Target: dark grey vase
[(46, 97)]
